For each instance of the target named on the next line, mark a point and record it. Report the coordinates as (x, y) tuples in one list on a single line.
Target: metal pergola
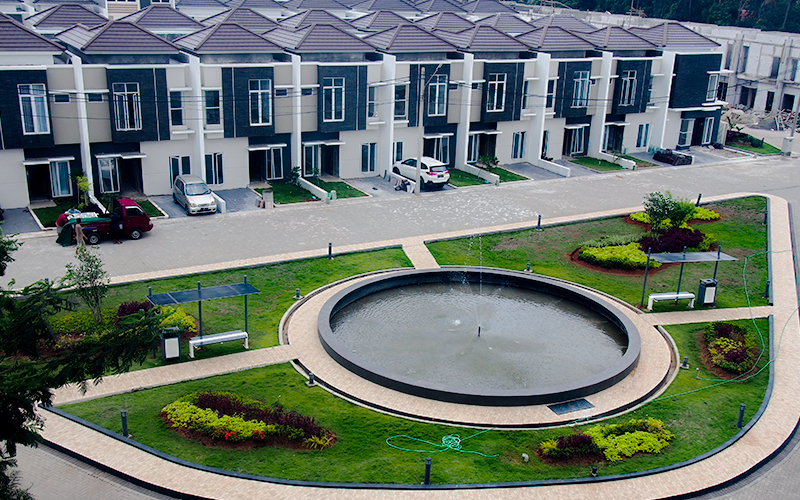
[(684, 258), (200, 294)]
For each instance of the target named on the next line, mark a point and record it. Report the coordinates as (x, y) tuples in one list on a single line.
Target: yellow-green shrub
[(175, 316), (625, 439), (700, 213), (81, 323), (628, 256)]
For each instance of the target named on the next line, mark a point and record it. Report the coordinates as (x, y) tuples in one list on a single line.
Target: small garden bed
[(459, 178), (595, 164), (343, 189), (747, 142), (505, 175), (285, 193), (728, 350)]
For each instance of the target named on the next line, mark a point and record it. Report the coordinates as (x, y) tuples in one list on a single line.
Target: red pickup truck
[(134, 222)]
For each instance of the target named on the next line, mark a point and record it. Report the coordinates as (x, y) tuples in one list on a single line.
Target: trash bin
[(707, 293), (170, 343)]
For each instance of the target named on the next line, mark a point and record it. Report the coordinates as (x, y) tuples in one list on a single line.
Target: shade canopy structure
[(200, 294), (684, 258)]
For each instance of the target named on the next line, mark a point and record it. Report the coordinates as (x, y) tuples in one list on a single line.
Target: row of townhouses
[(242, 97)]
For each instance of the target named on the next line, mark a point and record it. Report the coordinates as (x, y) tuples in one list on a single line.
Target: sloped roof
[(483, 39), (317, 38), (438, 6), (385, 5), (226, 38), (161, 16), (507, 23), (257, 4), (409, 38), (14, 37), (315, 4), (116, 37), (554, 38), (446, 21), (82, 2), (313, 16), (379, 20), (64, 16), (674, 35), (487, 7), (616, 38), (570, 23), (200, 3), (243, 16)]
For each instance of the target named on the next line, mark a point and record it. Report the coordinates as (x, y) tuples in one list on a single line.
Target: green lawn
[(459, 178), (740, 232), (48, 215), (506, 175), (285, 193), (343, 189), (764, 149), (639, 162), (701, 421), (149, 208), (595, 164)]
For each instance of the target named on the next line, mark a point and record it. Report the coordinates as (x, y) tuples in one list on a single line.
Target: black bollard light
[(297, 293), (594, 471), (685, 364), (699, 195), (330, 251), (528, 267), (740, 422), (766, 217), (766, 290), (124, 415), (539, 223), (427, 471)]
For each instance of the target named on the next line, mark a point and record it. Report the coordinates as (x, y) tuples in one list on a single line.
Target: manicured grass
[(764, 149), (48, 215), (343, 189), (285, 193), (506, 175), (740, 232), (595, 164), (276, 282), (702, 413), (149, 208), (459, 178), (639, 162)]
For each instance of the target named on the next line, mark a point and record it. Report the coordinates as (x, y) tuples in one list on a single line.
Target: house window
[(437, 95), (518, 145), (608, 139), (793, 70), (306, 92), (576, 145), (473, 147), (711, 90), (33, 107), (708, 131), (282, 92), (685, 135), (372, 105), (179, 165), (368, 153), (627, 95), (214, 168), (743, 60), (496, 92), (525, 90), (401, 101), (441, 149), (109, 175), (644, 133), (398, 151), (545, 143), (127, 106), (776, 67), (580, 89), (728, 56), (176, 108), (311, 160), (61, 98), (650, 101), (551, 94), (213, 115), (274, 160), (60, 181), (260, 102), (95, 97), (333, 99)]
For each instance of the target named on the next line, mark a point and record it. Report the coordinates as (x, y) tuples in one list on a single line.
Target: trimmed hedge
[(628, 256), (700, 213)]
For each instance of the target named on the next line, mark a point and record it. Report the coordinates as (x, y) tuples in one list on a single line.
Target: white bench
[(216, 338), (656, 297)]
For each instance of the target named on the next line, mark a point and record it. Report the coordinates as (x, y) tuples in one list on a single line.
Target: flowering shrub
[(232, 417), (673, 240), (731, 347), (175, 316), (623, 440), (628, 256)]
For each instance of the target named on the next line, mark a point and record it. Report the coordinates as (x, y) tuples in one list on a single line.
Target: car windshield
[(439, 168), (197, 189)]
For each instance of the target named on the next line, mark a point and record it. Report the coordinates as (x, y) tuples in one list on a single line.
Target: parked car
[(433, 173), (135, 222), (190, 192)]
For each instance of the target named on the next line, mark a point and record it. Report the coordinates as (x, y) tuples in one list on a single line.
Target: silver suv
[(190, 192)]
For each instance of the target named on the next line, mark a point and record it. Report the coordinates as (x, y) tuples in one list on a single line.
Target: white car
[(433, 172), (193, 194)]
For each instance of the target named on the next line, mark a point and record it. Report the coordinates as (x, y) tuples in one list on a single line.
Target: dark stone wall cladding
[(151, 99), (565, 88), (643, 71), (515, 73), (13, 136), (690, 83)]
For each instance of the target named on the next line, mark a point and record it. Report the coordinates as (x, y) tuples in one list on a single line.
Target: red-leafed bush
[(675, 239)]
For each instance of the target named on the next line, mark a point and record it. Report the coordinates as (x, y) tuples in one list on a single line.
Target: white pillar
[(385, 98), (83, 120), (603, 84), (662, 86), (297, 134), (538, 99), (196, 117), (462, 135)]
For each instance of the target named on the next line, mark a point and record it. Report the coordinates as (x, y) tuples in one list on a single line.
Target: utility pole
[(421, 127)]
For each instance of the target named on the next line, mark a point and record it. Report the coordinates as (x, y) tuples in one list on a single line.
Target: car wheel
[(174, 198), (93, 239), (396, 170), (136, 233)]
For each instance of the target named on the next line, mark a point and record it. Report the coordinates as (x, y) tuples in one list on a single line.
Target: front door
[(330, 164)]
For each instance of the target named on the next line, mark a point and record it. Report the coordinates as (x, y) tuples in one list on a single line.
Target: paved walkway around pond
[(774, 427)]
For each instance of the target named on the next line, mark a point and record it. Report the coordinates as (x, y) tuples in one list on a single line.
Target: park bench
[(216, 338), (657, 297)]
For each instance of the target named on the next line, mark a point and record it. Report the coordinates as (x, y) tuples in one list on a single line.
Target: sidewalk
[(774, 427)]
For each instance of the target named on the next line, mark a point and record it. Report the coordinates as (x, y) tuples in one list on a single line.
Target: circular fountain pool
[(479, 336)]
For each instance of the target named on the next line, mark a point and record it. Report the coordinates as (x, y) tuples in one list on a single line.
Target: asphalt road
[(233, 238)]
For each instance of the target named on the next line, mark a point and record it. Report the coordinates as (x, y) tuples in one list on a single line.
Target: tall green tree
[(8, 244), (89, 280)]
